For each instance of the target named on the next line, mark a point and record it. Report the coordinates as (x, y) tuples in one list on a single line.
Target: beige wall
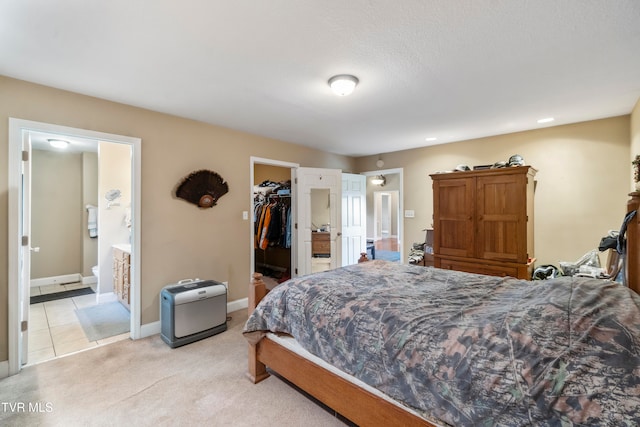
[(320, 207), (582, 181), (114, 174), (263, 173), (89, 197), (179, 240), (63, 183), (56, 213)]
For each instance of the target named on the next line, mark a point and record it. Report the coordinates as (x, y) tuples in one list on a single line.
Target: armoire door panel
[(501, 200), (456, 238), (454, 217), (499, 243)]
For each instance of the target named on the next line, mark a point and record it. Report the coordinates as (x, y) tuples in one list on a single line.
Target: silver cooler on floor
[(192, 310)]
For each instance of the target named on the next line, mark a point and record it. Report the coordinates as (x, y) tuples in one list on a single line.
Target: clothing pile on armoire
[(272, 222)]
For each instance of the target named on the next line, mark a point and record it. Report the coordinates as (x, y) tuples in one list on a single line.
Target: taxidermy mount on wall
[(202, 188)]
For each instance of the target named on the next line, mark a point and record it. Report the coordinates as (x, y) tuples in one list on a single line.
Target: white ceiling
[(40, 141), (452, 70)]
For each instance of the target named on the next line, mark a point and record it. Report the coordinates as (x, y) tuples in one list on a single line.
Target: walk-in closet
[(272, 222)]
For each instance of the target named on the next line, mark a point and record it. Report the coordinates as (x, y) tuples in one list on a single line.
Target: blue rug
[(388, 255), (103, 320)]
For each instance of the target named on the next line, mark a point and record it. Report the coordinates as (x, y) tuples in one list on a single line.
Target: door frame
[(400, 172), (16, 129), (270, 162), (377, 206)]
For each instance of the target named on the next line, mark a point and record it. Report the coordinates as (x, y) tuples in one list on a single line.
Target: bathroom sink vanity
[(122, 273)]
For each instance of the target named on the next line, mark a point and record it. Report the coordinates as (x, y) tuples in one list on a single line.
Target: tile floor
[(54, 329)]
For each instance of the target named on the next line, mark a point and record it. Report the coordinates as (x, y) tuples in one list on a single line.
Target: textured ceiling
[(452, 70)]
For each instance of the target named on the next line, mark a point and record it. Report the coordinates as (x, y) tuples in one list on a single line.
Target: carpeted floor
[(146, 383)]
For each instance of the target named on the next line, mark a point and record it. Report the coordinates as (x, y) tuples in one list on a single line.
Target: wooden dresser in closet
[(320, 243), (483, 221)]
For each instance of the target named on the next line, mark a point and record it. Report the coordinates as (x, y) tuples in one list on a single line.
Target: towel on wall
[(92, 220)]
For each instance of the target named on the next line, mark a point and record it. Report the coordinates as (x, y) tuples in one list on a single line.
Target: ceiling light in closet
[(58, 143), (343, 84), (546, 120), (431, 139)]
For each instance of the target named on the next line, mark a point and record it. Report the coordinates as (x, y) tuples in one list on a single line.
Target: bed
[(389, 344)]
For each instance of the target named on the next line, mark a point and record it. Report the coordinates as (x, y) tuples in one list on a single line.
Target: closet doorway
[(273, 210)]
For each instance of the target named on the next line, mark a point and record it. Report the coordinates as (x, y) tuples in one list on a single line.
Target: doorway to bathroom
[(74, 206)]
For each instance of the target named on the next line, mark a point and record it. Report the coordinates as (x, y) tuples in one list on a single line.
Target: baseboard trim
[(153, 328), (89, 280), (56, 280), (4, 369), (149, 329), (238, 304)]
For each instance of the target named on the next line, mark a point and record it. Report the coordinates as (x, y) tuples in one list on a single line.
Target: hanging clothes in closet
[(272, 215)]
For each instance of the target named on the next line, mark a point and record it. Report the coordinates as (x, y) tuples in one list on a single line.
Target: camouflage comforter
[(468, 349)]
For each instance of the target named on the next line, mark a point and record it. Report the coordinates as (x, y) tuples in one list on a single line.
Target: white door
[(354, 217), (319, 188), (385, 215), (24, 286)]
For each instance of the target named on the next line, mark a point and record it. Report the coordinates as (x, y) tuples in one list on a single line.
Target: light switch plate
[(409, 213)]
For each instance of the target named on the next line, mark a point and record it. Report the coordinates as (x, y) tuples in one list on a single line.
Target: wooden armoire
[(632, 270), (483, 221)]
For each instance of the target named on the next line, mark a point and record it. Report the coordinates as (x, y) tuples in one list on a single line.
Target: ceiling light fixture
[(431, 138), (343, 84), (58, 143), (379, 162), (379, 180), (546, 120)]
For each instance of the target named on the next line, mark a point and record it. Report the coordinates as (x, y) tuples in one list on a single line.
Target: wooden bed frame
[(352, 402)]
